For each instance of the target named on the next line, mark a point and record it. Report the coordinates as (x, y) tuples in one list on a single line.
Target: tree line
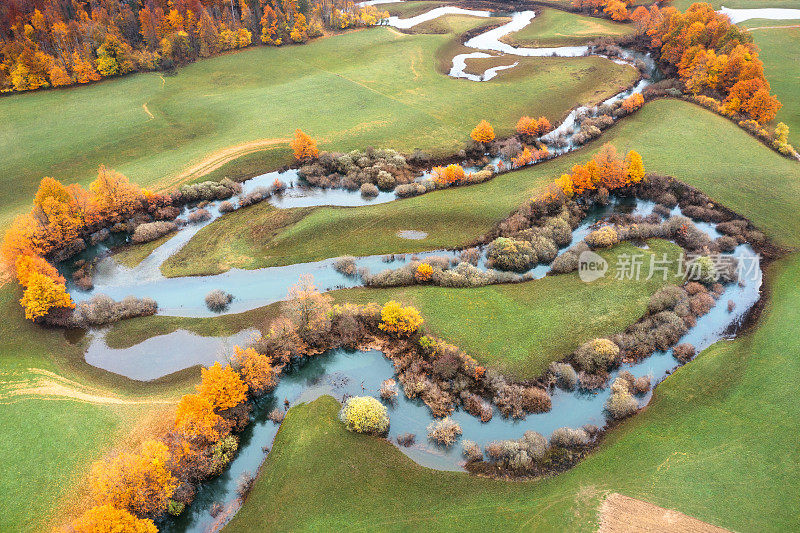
[(54, 43)]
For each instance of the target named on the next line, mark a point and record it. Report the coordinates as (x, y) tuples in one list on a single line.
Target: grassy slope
[(671, 135), (718, 442), (519, 328), (49, 443), (781, 55), (553, 27), (373, 87)]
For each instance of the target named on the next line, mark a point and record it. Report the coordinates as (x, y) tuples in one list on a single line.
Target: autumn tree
[(109, 519), (399, 320), (448, 175), (43, 294), (222, 387), (113, 195), (257, 371), (140, 483), (306, 307), (195, 417), (304, 146), (483, 132), (634, 166)]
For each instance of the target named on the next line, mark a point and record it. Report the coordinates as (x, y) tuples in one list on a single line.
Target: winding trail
[(219, 158), (45, 385)]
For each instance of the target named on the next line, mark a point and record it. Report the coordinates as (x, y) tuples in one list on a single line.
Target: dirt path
[(45, 385), (621, 514), (215, 160), (149, 114), (773, 27)]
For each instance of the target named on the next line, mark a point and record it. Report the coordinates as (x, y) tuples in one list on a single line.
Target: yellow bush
[(364, 414), (402, 321), (424, 272)]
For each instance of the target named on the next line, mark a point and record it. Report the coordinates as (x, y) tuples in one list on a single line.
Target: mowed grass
[(553, 27), (780, 52), (672, 136), (50, 439), (717, 442), (374, 87), (518, 329)]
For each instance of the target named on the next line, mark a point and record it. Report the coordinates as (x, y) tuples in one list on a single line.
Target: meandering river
[(339, 372)]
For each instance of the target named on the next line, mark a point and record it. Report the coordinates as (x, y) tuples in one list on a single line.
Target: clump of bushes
[(102, 309), (382, 168), (444, 432), (199, 215), (365, 414), (218, 300), (471, 451), (406, 439), (389, 390), (511, 254), (518, 454), (207, 191), (569, 437), (684, 352), (277, 415), (259, 194), (346, 265), (596, 355), (226, 207), (621, 403), (151, 231), (603, 237), (368, 190), (564, 375)]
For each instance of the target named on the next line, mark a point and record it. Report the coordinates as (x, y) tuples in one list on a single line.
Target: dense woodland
[(53, 43)]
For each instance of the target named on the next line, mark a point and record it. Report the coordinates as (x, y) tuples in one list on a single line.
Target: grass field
[(671, 135), (373, 87), (553, 27), (718, 442)]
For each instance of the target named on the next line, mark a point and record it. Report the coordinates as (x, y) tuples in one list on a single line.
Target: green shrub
[(175, 508), (365, 414)]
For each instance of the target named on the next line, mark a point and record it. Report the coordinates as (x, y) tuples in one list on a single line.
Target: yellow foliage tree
[(140, 483), (109, 519), (483, 132), (196, 417), (402, 321), (635, 167), (43, 294), (222, 386)]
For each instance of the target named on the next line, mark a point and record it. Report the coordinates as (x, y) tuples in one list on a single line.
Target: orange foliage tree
[(304, 146), (257, 371), (222, 386), (196, 417), (140, 483), (449, 174), (483, 132), (606, 169), (713, 56)]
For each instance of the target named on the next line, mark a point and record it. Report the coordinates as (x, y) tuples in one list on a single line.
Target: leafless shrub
[(444, 432), (277, 415), (102, 309), (569, 438), (406, 439), (218, 300), (200, 215)]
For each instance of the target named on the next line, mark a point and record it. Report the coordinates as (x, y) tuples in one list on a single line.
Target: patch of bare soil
[(621, 514)]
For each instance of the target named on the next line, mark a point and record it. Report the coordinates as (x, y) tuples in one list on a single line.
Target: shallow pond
[(769, 13)]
